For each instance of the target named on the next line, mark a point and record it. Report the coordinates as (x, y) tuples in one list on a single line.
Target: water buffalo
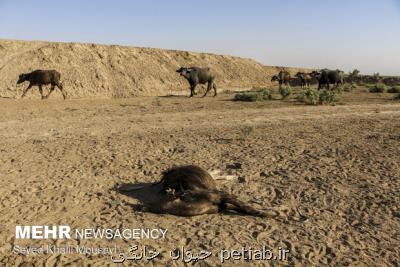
[(195, 75), (189, 191), (305, 79), (283, 77), (325, 77), (40, 78), (188, 177)]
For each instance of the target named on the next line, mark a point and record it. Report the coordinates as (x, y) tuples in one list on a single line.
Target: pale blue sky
[(345, 34)]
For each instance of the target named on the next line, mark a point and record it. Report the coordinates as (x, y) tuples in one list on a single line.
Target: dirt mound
[(91, 70)]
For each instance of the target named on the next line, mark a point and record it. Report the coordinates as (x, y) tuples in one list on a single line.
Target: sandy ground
[(332, 173)]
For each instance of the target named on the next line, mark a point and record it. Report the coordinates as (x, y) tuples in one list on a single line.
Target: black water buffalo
[(195, 76), (283, 77), (40, 78), (305, 79), (325, 77)]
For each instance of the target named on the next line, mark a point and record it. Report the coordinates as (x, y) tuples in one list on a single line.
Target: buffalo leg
[(59, 85), (192, 90), (26, 90), (215, 89), (51, 91), (209, 85), (41, 92), (63, 93)]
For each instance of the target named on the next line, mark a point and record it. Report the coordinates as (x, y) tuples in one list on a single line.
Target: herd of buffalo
[(194, 75), (324, 78)]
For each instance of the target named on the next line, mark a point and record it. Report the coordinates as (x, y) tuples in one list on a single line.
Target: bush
[(285, 91), (327, 96), (338, 89), (397, 97), (309, 96), (348, 87), (394, 90), (260, 95), (315, 97), (378, 88)]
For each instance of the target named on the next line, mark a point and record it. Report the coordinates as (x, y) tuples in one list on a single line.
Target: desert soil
[(332, 173)]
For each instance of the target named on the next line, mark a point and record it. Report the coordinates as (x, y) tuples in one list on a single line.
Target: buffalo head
[(184, 71), (315, 74), (22, 78)]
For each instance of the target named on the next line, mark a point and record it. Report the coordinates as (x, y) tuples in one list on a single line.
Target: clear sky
[(345, 34)]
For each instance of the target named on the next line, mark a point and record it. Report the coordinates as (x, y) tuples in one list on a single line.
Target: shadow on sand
[(148, 194)]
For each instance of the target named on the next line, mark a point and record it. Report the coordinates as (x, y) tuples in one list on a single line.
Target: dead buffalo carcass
[(195, 76), (40, 78), (283, 77), (326, 77), (189, 191), (187, 177)]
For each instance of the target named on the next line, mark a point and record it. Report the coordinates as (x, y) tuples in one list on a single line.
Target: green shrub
[(394, 90), (309, 96), (338, 89), (315, 97), (348, 87), (328, 96), (285, 91), (260, 95), (378, 88), (366, 85)]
